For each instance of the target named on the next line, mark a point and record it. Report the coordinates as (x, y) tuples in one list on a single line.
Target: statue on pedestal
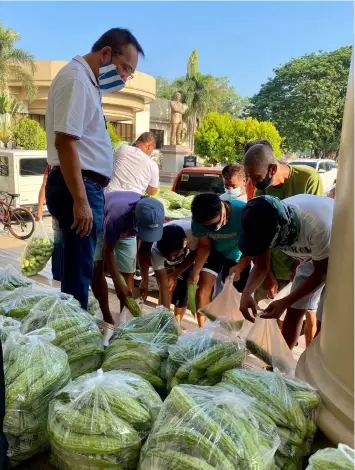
[(177, 111)]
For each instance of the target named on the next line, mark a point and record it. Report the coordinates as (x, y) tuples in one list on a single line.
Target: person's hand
[(275, 309), (123, 294), (271, 285), (143, 290), (235, 272), (83, 218), (194, 278), (38, 216), (172, 278), (248, 303)]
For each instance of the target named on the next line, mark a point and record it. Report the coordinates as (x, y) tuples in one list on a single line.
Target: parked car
[(327, 170), (198, 180)]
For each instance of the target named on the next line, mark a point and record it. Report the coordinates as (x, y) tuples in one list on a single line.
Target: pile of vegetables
[(36, 256), (100, 421), (34, 371), (7, 326), (201, 356), (206, 428), (342, 458), (76, 332), (10, 279), (19, 302), (288, 402), (175, 205), (141, 346)]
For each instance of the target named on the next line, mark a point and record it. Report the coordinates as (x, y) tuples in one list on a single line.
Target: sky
[(244, 41)]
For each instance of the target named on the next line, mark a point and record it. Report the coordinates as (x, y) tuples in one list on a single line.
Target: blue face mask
[(233, 193), (109, 78)]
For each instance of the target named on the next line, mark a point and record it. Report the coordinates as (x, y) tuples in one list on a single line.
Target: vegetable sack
[(76, 332), (206, 428), (10, 279), (34, 371), (201, 356), (7, 326), (141, 346), (100, 421), (38, 251), (342, 458)]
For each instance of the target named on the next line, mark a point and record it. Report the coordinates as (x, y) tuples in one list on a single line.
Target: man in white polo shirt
[(80, 151)]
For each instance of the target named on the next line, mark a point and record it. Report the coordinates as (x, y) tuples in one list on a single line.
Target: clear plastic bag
[(201, 356), (141, 346), (11, 279), (100, 421), (266, 342), (7, 326), (342, 458), (205, 428), (93, 307), (76, 332), (226, 306), (38, 251), (34, 371)]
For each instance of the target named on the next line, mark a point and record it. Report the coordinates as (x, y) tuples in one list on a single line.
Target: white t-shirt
[(315, 214), (158, 260), (74, 108), (133, 170)]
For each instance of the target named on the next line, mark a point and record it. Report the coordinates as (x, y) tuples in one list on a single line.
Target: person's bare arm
[(203, 250), (151, 191), (239, 267), (313, 282), (144, 260), (66, 147), (188, 261), (122, 291), (41, 197), (164, 293)]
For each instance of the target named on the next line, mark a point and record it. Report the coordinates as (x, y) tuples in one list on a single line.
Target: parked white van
[(327, 170), (21, 172)]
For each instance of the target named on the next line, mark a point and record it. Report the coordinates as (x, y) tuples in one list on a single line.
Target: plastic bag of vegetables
[(141, 346), (201, 356), (7, 326), (93, 306), (10, 279), (175, 200), (225, 306), (342, 458), (76, 332), (266, 342), (38, 251), (206, 428), (187, 201), (100, 421), (34, 371)]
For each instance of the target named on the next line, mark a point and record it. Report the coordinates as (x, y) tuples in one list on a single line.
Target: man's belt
[(101, 180)]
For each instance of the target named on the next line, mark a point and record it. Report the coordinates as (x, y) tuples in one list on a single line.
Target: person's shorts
[(321, 305), (179, 297), (125, 253), (217, 263), (311, 301)]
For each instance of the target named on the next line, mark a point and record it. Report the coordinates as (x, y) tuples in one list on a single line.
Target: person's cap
[(259, 227), (149, 215)]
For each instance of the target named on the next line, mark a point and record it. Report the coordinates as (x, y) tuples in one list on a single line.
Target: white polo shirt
[(74, 108), (133, 170)]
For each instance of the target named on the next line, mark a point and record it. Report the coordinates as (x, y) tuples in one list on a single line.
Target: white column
[(141, 122), (328, 363)]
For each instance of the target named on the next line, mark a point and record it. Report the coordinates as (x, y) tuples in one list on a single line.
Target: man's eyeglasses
[(127, 70)]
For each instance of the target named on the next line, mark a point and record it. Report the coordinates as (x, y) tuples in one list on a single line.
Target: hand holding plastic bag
[(38, 251)]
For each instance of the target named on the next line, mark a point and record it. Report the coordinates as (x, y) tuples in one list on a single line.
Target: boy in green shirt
[(282, 181)]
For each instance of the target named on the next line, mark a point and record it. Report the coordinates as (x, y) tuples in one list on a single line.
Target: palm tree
[(9, 114), (12, 62)]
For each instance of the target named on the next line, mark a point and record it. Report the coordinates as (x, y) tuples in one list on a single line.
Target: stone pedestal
[(173, 157), (328, 363)]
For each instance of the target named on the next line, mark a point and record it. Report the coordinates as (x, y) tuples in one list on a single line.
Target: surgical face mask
[(109, 78), (266, 182), (233, 193)]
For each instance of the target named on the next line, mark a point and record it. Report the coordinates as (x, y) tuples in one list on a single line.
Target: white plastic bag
[(225, 306), (263, 304), (266, 342), (38, 251), (342, 458)]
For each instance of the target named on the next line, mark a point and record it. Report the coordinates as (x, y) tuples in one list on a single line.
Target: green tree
[(13, 61), (221, 139), (305, 100), (115, 138), (9, 113), (29, 135), (165, 88)]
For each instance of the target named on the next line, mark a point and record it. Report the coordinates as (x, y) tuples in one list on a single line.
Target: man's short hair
[(259, 156), (117, 38), (233, 169), (248, 145), (206, 206), (146, 138)]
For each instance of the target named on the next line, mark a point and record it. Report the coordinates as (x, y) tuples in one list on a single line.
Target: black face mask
[(265, 183)]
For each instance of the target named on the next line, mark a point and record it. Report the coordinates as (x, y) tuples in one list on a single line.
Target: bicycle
[(18, 221)]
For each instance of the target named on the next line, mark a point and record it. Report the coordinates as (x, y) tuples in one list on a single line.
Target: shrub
[(29, 135)]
